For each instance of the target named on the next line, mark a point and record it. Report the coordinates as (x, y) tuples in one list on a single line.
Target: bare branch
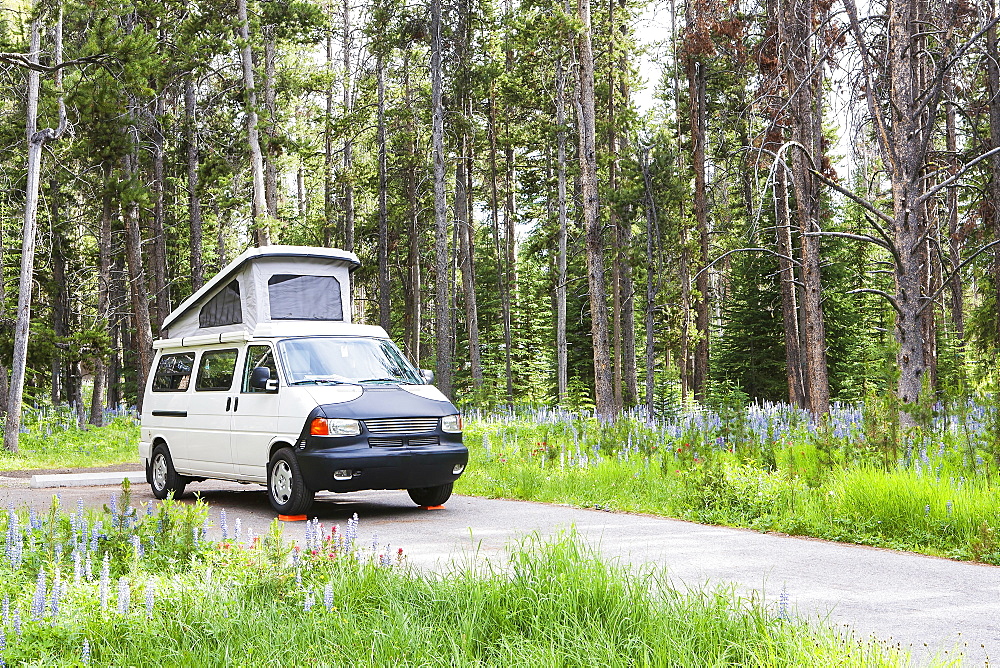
[(872, 291), (745, 250), (22, 60), (865, 204), (947, 281), (954, 177)]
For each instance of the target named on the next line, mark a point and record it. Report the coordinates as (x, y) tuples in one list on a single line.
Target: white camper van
[(261, 377)]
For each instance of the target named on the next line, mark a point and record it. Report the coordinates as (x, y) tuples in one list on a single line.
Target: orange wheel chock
[(432, 507), (292, 518)]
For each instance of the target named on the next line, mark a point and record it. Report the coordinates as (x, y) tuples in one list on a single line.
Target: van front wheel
[(286, 490), (163, 479), (430, 496)]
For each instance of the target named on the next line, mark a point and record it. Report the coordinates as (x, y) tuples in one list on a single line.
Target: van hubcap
[(160, 471), (281, 482)]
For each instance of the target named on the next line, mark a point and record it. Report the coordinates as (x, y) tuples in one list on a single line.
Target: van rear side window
[(215, 373), (173, 373)]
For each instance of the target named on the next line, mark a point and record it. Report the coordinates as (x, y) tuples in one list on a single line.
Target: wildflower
[(927, 510), (85, 653), (328, 596), (17, 622), (38, 602), (237, 530), (947, 507), (150, 598), (137, 546), (223, 524), (54, 599), (105, 581), (124, 595), (783, 605), (308, 603), (6, 610)]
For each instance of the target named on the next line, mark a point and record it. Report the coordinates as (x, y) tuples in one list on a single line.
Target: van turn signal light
[(319, 427)]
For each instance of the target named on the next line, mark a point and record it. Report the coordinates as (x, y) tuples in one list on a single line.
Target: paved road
[(899, 597)]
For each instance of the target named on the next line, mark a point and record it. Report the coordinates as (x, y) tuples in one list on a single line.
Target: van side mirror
[(427, 375), (259, 377)]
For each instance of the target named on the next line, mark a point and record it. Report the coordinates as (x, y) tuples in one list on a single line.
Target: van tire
[(286, 490), (163, 478), (430, 496)]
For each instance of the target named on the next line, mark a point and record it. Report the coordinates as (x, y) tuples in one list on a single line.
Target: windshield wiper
[(385, 380), (322, 381)]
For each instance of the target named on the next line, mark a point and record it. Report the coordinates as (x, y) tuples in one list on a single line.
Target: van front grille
[(415, 425), (385, 442), (417, 441)]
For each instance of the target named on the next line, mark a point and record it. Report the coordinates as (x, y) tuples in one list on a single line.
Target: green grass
[(52, 439), (800, 485), (552, 603)]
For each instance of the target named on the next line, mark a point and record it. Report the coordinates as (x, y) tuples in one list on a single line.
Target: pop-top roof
[(271, 283)]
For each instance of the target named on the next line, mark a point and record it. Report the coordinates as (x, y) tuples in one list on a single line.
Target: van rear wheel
[(286, 490), (163, 479), (430, 496)]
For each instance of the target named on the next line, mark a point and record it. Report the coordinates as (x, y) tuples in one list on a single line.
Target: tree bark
[(158, 235), (414, 287), (604, 393), (348, 143), (384, 307), (194, 200), (652, 244), (442, 283), (993, 201), (270, 104), (561, 344), (259, 222), (786, 273)]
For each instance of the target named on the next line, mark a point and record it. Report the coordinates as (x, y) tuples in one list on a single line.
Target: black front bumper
[(380, 467)]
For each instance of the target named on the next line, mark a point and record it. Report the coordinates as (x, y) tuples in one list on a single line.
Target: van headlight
[(451, 424), (334, 427)]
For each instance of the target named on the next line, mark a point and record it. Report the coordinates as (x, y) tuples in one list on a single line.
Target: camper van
[(262, 377)]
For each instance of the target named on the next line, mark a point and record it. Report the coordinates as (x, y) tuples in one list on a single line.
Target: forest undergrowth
[(856, 476), (144, 586)]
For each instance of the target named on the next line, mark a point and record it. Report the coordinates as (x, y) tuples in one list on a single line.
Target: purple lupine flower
[(783, 605), (947, 507), (88, 567), (124, 595), (328, 596), (223, 524), (114, 509), (308, 603), (298, 577), (149, 508), (85, 653), (237, 529), (17, 622), (105, 581), (38, 602), (54, 598), (309, 535), (150, 598), (6, 611), (77, 567)]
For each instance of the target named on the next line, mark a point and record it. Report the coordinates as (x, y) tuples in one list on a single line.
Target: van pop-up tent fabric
[(268, 284)]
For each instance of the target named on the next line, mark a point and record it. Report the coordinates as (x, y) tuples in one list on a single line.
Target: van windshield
[(333, 360)]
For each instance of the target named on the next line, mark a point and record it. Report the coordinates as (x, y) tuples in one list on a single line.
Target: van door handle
[(229, 402), (236, 404)]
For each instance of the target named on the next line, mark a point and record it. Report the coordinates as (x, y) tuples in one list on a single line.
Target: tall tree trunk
[(259, 220), (696, 94), (348, 142), (328, 213), (384, 308), (804, 85), (36, 140), (137, 285), (786, 272), (652, 245), (630, 391), (60, 300), (442, 281), (501, 256), (194, 200), (561, 344), (270, 104), (993, 201), (158, 236), (604, 393), (957, 301), (105, 310), (414, 287)]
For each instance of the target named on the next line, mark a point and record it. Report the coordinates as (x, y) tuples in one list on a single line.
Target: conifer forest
[(807, 210)]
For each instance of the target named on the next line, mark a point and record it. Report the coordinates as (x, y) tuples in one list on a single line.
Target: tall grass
[(53, 438), (930, 489), (335, 601)]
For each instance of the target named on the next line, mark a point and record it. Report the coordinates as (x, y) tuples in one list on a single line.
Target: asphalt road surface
[(930, 606)]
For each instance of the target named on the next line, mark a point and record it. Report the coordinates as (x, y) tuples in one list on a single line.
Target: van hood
[(384, 402)]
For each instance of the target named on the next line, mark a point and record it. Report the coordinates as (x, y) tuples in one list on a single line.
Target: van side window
[(215, 373), (173, 373), (259, 355)]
